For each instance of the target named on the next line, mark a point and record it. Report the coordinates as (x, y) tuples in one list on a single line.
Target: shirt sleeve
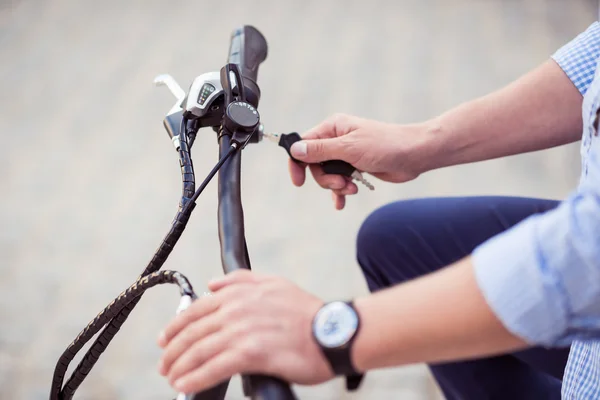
[(542, 277), (578, 58)]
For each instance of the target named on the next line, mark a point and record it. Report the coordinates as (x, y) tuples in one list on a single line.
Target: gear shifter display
[(206, 90)]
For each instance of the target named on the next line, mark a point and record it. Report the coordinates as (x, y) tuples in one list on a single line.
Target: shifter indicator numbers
[(206, 90)]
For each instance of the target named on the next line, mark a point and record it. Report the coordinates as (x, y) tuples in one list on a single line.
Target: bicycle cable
[(114, 315)]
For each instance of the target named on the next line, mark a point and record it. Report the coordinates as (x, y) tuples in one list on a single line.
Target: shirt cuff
[(511, 273), (579, 57)]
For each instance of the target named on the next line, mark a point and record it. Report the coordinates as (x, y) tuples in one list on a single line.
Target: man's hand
[(387, 151), (251, 324)]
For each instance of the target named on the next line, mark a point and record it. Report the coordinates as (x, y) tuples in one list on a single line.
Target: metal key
[(357, 175)]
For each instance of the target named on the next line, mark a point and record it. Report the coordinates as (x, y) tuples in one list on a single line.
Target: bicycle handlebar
[(234, 256), (230, 212), (248, 49)]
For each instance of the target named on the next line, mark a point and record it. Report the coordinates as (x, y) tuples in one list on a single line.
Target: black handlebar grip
[(248, 49), (268, 388)]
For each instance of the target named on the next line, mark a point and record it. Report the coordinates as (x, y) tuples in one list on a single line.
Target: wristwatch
[(334, 328)]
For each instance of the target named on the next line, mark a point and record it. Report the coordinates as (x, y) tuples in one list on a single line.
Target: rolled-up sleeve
[(542, 277), (578, 58)]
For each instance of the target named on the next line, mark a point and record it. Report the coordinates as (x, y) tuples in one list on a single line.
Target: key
[(357, 175), (338, 167)]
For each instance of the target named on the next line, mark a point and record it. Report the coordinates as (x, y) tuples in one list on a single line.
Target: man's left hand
[(251, 324)]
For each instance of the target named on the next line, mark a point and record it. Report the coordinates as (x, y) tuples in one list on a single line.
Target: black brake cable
[(211, 174), (126, 298), (115, 314)]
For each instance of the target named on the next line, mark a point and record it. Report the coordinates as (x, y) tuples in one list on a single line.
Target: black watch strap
[(340, 361)]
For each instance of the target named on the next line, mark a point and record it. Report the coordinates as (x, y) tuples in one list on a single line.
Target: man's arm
[(537, 283), (439, 317), (540, 110)]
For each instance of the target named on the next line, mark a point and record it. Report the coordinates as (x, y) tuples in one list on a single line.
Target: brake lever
[(176, 90)]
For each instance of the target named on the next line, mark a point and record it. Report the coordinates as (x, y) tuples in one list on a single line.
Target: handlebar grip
[(248, 49), (268, 388)]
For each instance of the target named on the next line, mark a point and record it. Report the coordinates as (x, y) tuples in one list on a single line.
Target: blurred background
[(89, 180)]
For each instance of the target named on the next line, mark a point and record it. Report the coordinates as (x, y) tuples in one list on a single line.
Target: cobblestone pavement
[(89, 180)]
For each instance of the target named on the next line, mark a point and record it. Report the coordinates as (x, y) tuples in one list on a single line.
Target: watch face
[(335, 324)]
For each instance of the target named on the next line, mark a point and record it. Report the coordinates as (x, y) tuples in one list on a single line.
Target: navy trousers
[(411, 238)]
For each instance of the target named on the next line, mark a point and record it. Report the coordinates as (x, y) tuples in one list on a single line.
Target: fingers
[(323, 142), (257, 328), (186, 338), (339, 196), (196, 355), (297, 172), (200, 308), (209, 304), (341, 186), (314, 151), (339, 200), (349, 189), (334, 126), (327, 181), (239, 276), (216, 369)]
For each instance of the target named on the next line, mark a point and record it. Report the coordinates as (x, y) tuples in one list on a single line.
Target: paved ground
[(89, 180)]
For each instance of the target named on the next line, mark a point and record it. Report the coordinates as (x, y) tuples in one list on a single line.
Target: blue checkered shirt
[(542, 277)]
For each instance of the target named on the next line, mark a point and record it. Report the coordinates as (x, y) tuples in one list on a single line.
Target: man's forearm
[(439, 317), (540, 110)]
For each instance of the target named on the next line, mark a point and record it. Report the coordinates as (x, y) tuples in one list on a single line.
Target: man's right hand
[(386, 151)]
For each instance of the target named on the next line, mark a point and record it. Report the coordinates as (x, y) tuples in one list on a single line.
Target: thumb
[(318, 150)]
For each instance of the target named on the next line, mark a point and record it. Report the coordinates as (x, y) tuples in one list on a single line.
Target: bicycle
[(229, 107)]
